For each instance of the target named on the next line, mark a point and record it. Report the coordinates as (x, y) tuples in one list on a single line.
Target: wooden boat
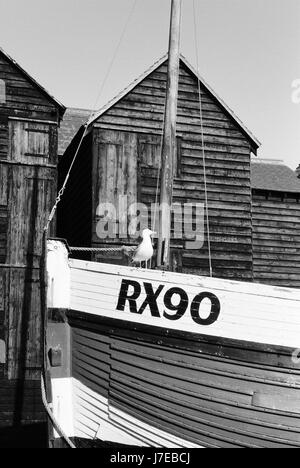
[(161, 359)]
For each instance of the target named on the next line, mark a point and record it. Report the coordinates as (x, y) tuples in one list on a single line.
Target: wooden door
[(114, 179), (31, 193)]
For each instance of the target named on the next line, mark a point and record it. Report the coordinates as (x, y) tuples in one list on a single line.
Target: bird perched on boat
[(145, 251)]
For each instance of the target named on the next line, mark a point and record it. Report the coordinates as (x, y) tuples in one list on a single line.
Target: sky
[(249, 53)]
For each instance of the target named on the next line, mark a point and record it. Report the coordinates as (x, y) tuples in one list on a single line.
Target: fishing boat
[(154, 358)]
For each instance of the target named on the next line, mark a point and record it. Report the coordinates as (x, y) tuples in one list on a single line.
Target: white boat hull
[(168, 360)]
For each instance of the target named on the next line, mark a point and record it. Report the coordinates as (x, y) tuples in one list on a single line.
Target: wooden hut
[(29, 120), (276, 224), (121, 156)]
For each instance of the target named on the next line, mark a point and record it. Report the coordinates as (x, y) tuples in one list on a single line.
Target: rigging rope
[(159, 168), (102, 249), (86, 127), (62, 190), (115, 54), (159, 172), (202, 143), (58, 199)]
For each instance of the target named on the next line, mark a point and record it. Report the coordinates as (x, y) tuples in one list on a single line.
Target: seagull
[(145, 251)]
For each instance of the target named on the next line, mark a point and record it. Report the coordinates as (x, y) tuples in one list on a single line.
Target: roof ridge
[(152, 68), (33, 80), (223, 103), (84, 109), (127, 89)]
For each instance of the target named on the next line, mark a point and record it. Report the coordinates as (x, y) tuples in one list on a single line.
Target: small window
[(2, 92), (150, 153), (37, 141)]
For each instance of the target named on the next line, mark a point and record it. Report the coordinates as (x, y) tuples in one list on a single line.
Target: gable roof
[(71, 123), (61, 107), (273, 175), (255, 143)]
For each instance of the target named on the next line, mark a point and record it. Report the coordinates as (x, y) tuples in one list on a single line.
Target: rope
[(53, 211), (158, 175), (54, 421), (159, 167), (86, 128), (104, 249), (202, 143), (62, 190), (114, 55)]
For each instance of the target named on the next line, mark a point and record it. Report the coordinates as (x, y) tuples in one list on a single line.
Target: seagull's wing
[(144, 252), (138, 253)]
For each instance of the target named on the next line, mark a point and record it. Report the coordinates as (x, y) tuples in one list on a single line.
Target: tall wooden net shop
[(254, 208), (29, 121)]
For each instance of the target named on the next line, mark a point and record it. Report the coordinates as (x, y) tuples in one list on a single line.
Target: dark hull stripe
[(212, 392), (277, 356)]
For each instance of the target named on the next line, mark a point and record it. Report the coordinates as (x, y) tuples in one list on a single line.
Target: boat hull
[(154, 387), (128, 378)]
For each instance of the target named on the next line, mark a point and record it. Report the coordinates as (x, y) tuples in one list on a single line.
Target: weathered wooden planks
[(211, 394), (4, 140), (29, 118), (135, 122), (23, 98), (20, 404), (276, 239)]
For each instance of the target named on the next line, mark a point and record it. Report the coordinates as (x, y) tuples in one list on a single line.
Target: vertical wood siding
[(276, 239), (16, 411), (4, 140), (3, 212), (114, 173), (31, 193), (32, 143), (3, 233), (28, 158)]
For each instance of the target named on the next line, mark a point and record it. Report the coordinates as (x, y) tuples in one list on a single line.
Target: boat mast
[(169, 139)]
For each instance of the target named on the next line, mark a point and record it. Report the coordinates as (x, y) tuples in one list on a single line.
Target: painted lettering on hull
[(176, 302)]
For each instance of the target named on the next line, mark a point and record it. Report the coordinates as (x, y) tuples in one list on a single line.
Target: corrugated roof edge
[(34, 82), (255, 142)]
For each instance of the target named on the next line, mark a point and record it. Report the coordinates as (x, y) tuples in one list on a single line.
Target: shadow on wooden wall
[(28, 397)]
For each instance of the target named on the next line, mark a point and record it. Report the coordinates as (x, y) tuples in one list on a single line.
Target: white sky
[(249, 53)]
